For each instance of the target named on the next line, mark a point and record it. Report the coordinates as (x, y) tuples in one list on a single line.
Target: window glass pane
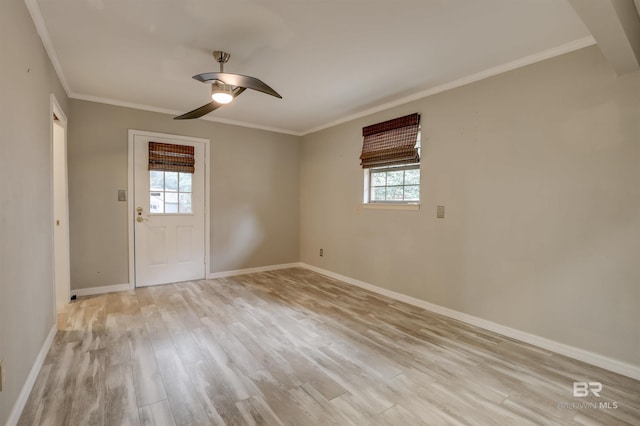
[(170, 207), (185, 203), (171, 181), (395, 178), (412, 193), (185, 182), (170, 197), (412, 177), (378, 179), (171, 201), (378, 194), (394, 193), (156, 203), (156, 180)]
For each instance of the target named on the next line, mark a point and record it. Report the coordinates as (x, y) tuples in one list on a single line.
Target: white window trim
[(391, 206), (387, 205)]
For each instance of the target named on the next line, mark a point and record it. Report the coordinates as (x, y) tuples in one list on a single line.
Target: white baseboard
[(16, 411), (589, 357), (91, 291), (224, 274)]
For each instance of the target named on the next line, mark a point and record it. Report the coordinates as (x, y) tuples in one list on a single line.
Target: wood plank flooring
[(293, 347)]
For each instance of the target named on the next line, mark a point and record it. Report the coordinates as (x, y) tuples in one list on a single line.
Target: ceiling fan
[(225, 87)]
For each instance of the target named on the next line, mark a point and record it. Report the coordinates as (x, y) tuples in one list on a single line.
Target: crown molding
[(518, 63), (38, 20), (143, 107)]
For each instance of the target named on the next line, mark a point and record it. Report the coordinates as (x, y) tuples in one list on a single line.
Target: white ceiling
[(329, 59)]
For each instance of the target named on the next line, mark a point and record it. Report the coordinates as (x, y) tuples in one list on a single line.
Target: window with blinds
[(171, 158), (391, 142), (170, 171), (391, 161)]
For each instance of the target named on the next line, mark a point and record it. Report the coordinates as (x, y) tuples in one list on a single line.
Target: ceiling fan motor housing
[(221, 57)]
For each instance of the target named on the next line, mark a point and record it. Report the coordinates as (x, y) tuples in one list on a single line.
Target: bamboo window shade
[(171, 158), (391, 142)]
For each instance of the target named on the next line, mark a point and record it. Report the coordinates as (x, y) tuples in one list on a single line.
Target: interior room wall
[(538, 170), (253, 189), (26, 245)]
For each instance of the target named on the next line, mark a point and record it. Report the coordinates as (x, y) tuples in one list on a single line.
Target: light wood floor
[(296, 348)]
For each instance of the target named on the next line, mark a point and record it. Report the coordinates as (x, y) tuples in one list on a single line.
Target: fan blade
[(206, 109), (237, 80), (199, 112)]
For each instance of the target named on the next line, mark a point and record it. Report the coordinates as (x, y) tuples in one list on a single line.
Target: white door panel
[(169, 247)]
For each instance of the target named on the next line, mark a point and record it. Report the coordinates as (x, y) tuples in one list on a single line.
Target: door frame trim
[(131, 191)]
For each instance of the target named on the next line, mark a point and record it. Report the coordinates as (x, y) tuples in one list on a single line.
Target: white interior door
[(61, 217), (169, 217)]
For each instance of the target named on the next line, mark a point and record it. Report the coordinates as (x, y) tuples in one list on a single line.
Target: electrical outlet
[(321, 252), (2, 374)]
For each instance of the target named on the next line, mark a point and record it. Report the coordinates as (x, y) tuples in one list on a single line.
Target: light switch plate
[(440, 212), (122, 195)]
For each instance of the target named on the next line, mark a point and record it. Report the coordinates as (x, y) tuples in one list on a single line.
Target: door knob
[(139, 217)]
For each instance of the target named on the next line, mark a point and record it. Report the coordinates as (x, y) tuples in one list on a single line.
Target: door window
[(169, 192)]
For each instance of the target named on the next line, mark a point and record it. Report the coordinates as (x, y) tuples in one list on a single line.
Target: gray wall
[(539, 170), (26, 265), (254, 192)]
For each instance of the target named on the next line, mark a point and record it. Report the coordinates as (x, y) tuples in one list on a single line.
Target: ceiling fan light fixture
[(222, 97), (221, 93)]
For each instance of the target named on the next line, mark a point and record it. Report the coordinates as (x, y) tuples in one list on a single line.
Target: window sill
[(389, 206)]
